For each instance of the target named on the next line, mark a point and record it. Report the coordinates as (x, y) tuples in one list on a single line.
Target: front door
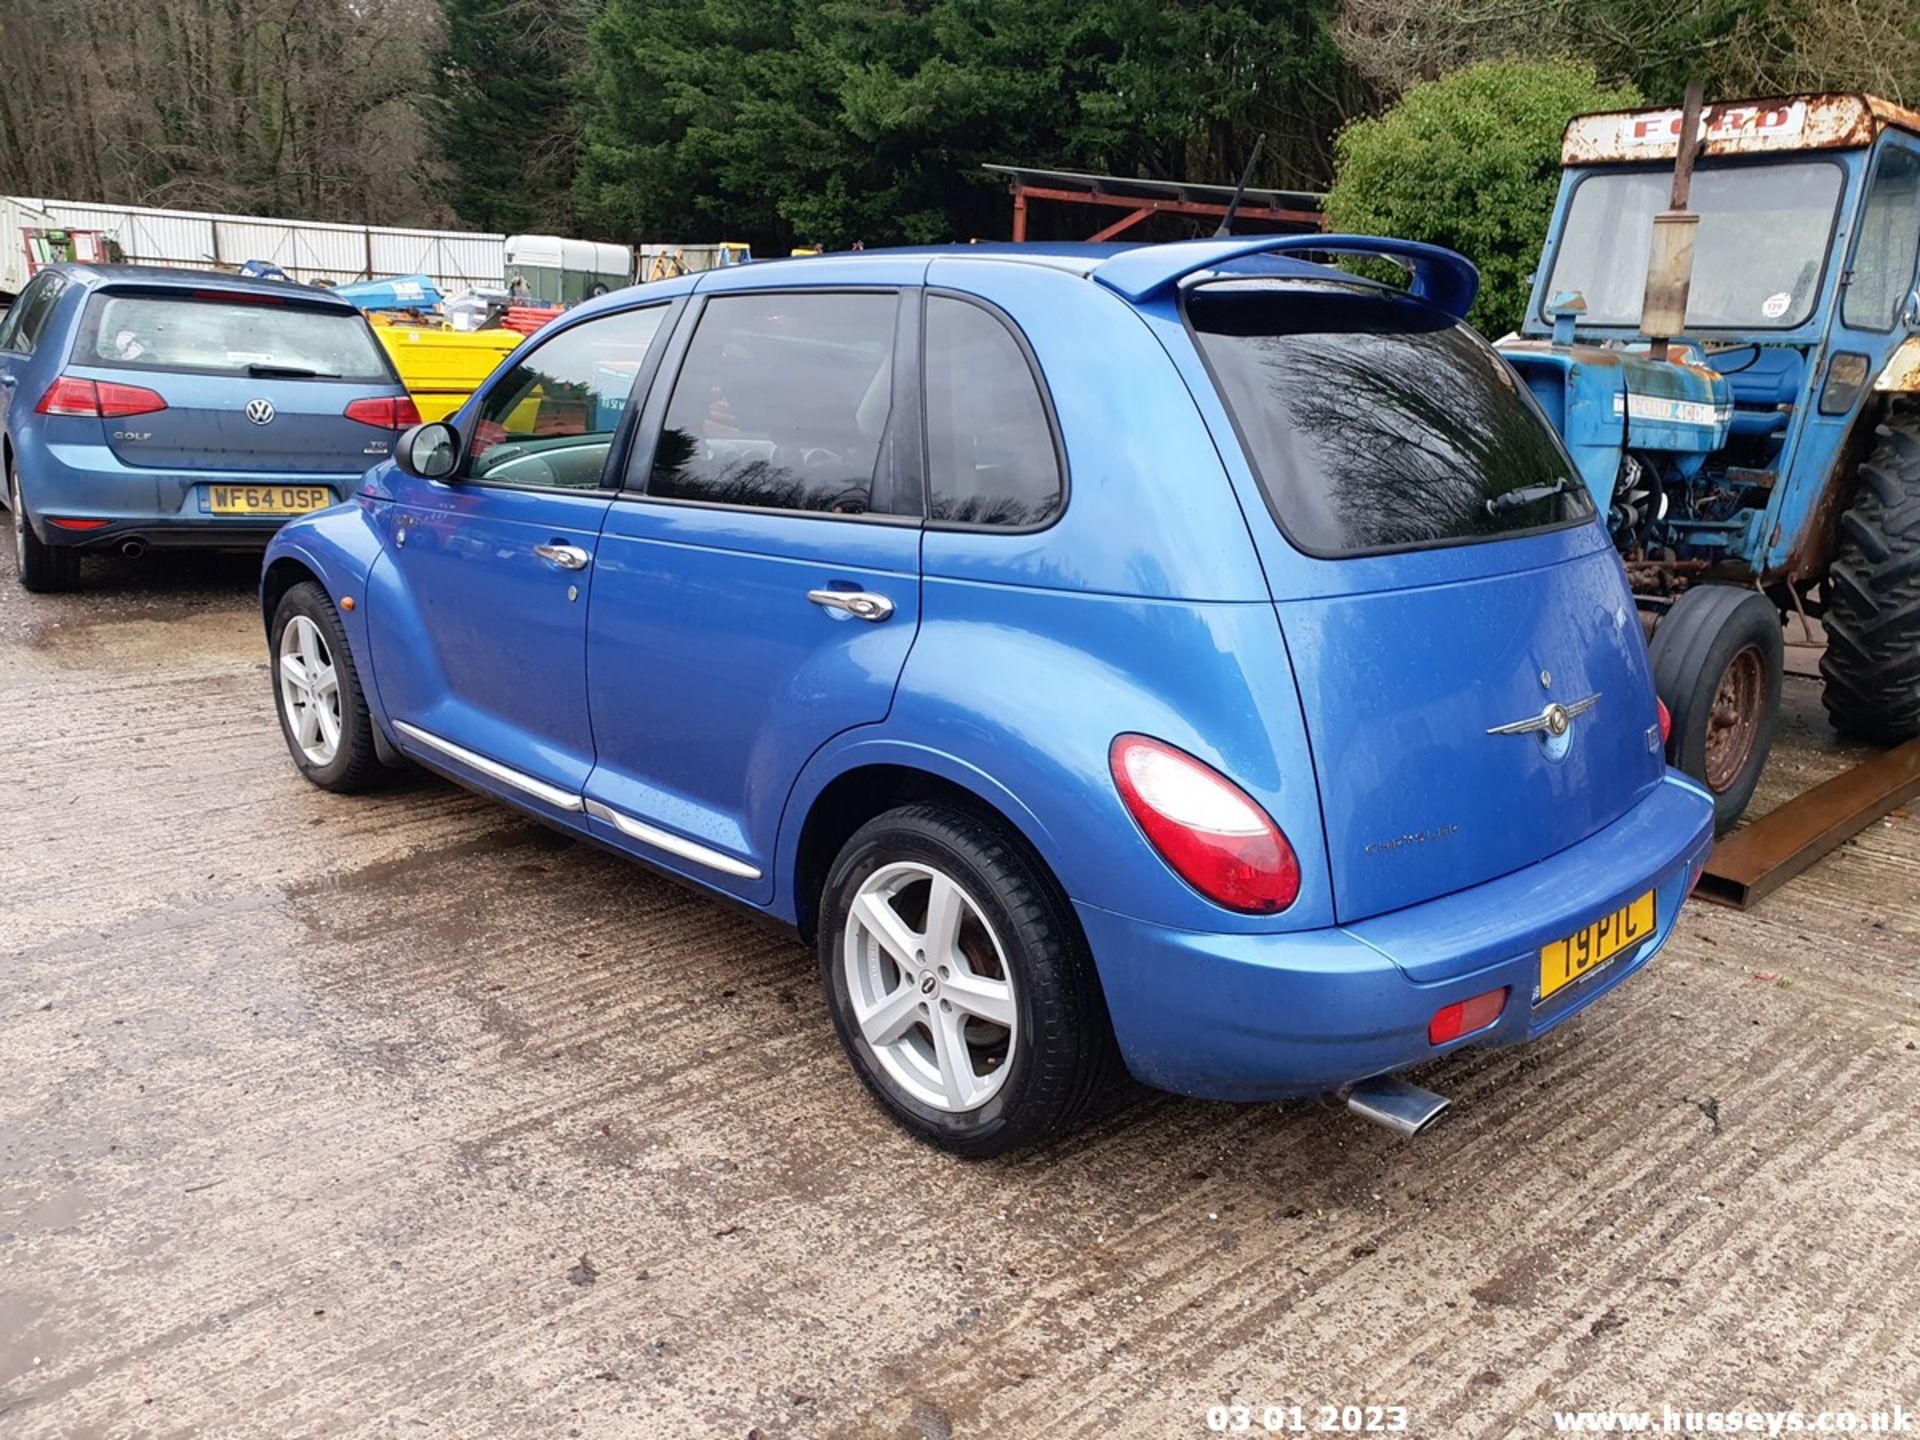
[(761, 595), (478, 608)]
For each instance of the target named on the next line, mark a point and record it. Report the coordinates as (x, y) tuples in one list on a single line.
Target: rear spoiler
[(1440, 277)]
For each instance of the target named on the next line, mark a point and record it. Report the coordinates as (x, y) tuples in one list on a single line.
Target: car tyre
[(42, 568), (1015, 952), (317, 694), (1871, 667), (1719, 664)]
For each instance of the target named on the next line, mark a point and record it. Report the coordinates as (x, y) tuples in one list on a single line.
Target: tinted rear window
[(223, 337), (1375, 423)]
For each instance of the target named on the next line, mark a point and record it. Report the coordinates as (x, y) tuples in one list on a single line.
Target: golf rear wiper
[(1527, 495), (288, 372)]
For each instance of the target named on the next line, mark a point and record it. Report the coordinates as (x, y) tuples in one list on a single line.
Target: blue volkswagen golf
[(1180, 658), (147, 407)]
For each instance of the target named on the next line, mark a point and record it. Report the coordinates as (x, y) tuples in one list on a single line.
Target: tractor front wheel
[(1718, 663), (1872, 664)]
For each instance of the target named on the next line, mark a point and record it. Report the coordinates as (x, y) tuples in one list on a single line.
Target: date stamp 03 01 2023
[(1235, 1419)]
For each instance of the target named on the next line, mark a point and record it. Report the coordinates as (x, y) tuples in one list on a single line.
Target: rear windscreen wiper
[(1526, 495), (288, 372)]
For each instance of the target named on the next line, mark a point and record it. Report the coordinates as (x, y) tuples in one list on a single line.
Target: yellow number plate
[(1585, 951), (267, 499)]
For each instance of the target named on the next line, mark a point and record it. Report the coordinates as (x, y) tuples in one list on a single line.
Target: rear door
[(478, 609), (758, 588), (1467, 654), (20, 334), (250, 382)]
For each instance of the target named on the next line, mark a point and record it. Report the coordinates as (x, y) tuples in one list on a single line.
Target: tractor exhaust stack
[(1663, 311)]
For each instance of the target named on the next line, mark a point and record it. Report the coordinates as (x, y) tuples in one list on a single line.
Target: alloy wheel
[(930, 987), (309, 690)]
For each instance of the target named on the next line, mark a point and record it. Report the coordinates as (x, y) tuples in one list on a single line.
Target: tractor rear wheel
[(1872, 664), (1718, 663)]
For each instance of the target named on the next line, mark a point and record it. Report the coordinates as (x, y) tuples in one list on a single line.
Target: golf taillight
[(1463, 1017), (1207, 828), (98, 399), (389, 412), (1666, 718)]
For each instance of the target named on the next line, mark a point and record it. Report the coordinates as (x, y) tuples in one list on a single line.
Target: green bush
[(1471, 162)]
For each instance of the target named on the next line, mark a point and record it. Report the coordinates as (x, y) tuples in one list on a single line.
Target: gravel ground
[(404, 1116)]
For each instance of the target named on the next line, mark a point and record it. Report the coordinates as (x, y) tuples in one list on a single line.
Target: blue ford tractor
[(1725, 328)]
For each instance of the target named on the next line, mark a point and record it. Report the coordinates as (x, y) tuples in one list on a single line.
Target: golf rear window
[(212, 336), (1374, 422)]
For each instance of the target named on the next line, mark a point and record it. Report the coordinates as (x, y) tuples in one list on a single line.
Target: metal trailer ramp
[(1758, 859)]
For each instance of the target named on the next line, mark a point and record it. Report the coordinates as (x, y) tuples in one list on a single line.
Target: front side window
[(550, 420), (1883, 265), (990, 451), (782, 404), (1759, 251), (209, 335), (1376, 423)]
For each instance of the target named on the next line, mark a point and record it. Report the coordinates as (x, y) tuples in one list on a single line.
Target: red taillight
[(1666, 719), (1463, 1017), (1207, 828), (99, 399), (389, 412), (78, 524)]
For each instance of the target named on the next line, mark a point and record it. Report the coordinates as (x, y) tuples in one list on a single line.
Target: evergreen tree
[(503, 114), (782, 122)]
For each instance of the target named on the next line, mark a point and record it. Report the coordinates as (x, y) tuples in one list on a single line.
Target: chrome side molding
[(673, 844), (550, 794)]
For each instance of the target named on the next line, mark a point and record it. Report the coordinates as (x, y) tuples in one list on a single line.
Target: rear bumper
[(1254, 1017), (153, 507)]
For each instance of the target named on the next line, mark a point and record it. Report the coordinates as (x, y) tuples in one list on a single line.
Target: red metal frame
[(1140, 209)]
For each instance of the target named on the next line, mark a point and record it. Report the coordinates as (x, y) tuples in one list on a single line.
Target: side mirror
[(428, 451)]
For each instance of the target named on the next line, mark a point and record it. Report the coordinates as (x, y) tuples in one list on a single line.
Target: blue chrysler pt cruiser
[(1182, 657)]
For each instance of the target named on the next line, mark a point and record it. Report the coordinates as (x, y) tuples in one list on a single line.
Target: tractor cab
[(1724, 315)]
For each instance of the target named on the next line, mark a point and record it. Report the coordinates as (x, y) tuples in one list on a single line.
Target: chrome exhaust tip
[(133, 549), (1404, 1109)]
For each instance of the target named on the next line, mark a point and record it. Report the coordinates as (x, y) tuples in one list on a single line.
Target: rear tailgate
[(1467, 654), (247, 385), (1401, 691)]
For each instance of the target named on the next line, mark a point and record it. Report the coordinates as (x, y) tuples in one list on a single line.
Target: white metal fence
[(305, 249)]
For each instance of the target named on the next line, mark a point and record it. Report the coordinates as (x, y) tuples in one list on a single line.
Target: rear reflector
[(78, 524), (1666, 719), (98, 399), (1463, 1017), (1207, 828), (389, 412)]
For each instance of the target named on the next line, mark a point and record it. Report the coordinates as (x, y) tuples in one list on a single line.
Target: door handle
[(566, 557), (861, 604)]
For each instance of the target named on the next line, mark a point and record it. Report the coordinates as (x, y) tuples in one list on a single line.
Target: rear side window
[(22, 334), (1376, 423), (990, 451), (782, 404), (226, 337)]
